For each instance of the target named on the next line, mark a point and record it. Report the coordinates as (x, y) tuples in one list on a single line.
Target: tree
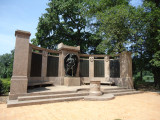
[(6, 65), (152, 43), (124, 27), (64, 22), (1, 88), (113, 26)]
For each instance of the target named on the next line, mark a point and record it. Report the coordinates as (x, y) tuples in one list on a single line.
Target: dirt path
[(145, 106), (3, 99)]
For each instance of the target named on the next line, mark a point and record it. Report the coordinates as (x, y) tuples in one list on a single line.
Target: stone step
[(115, 88), (26, 98), (116, 91), (126, 93), (15, 103), (49, 93)]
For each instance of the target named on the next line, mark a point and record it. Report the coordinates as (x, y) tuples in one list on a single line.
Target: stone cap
[(61, 46), (21, 32)]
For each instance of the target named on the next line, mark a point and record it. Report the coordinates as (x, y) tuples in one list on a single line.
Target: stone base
[(72, 81), (100, 98), (126, 82), (18, 86), (95, 93)]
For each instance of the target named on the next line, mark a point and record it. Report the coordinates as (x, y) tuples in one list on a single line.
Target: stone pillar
[(44, 65), (29, 61), (19, 80), (91, 67), (61, 69), (107, 68), (126, 70)]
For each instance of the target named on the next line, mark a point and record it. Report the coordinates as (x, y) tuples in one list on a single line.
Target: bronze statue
[(70, 64)]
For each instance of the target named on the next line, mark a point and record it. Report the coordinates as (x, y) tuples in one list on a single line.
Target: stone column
[(44, 65), (107, 68), (91, 67), (19, 80), (61, 69), (126, 70), (29, 61)]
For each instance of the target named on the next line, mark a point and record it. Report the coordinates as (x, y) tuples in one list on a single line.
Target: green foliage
[(156, 59), (4, 86), (64, 21), (112, 23), (6, 65), (1, 88)]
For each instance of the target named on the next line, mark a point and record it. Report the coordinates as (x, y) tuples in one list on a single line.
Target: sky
[(22, 15)]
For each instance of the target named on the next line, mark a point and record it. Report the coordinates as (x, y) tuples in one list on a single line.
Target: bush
[(1, 87), (4, 86)]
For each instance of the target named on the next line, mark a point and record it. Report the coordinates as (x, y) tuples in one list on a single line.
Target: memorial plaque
[(84, 68), (52, 66), (114, 68), (98, 68), (36, 65)]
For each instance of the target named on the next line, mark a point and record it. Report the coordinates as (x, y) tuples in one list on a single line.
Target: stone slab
[(16, 103), (37, 97), (72, 81), (104, 97)]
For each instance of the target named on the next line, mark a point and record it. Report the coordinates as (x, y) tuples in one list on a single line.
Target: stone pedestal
[(95, 88), (95, 93), (72, 81)]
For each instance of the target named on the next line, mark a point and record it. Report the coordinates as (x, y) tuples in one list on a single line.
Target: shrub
[(4, 86), (1, 87)]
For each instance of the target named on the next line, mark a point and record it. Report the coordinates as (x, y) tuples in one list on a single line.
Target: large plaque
[(114, 69), (84, 68), (52, 66), (36, 65), (98, 68)]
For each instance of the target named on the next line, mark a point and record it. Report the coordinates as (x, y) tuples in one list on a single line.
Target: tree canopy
[(64, 21)]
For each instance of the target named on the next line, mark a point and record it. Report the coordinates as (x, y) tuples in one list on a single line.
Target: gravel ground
[(3, 99), (144, 106)]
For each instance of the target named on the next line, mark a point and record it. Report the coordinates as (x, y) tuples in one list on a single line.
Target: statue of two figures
[(70, 64)]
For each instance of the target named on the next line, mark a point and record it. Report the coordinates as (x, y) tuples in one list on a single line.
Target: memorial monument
[(66, 66)]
